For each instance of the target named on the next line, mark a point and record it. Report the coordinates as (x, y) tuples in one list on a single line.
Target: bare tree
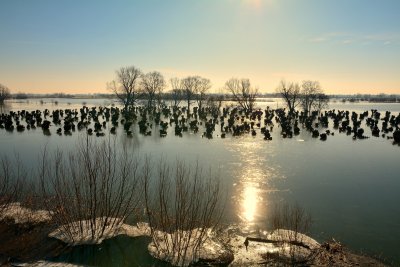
[(126, 86), (321, 102), (153, 85), (176, 91), (181, 208), (290, 92), (190, 85), (4, 93), (204, 86), (309, 94), (243, 93), (215, 101), (91, 191)]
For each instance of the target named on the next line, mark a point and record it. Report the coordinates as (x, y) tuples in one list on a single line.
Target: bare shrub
[(11, 175), (291, 224), (182, 206), (91, 191)]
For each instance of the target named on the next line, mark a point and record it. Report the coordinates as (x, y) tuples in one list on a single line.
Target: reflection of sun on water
[(249, 203), (253, 176)]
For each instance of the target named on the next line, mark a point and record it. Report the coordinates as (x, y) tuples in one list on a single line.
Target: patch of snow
[(141, 229), (289, 235), (260, 252), (80, 232), (253, 255), (20, 214), (182, 248)]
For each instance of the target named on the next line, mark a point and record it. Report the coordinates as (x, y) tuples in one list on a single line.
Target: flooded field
[(349, 186)]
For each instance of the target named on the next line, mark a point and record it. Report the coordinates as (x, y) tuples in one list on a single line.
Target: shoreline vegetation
[(35, 243)]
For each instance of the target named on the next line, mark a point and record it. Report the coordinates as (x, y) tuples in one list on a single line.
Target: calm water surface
[(351, 188)]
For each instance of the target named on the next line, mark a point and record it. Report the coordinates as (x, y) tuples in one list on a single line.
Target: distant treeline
[(382, 98), (60, 95)]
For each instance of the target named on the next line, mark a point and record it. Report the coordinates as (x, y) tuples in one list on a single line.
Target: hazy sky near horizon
[(75, 46)]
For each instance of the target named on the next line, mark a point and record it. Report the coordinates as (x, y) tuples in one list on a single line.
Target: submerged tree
[(310, 92), (126, 86), (4, 93), (204, 86), (153, 85), (177, 92), (321, 102), (190, 85), (290, 93), (243, 93), (195, 87)]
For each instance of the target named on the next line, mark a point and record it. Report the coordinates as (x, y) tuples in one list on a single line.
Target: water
[(349, 187), (118, 251)]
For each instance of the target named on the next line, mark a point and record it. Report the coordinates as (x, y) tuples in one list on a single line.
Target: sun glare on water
[(249, 203)]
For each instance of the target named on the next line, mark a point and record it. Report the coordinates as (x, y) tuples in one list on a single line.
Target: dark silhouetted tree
[(290, 93), (153, 85), (204, 86), (311, 93), (195, 87), (242, 91), (126, 86), (177, 92), (4, 93)]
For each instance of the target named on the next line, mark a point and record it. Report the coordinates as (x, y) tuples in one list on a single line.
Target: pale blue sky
[(350, 46)]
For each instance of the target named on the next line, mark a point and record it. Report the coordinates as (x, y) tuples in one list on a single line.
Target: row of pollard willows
[(343, 121), (230, 120)]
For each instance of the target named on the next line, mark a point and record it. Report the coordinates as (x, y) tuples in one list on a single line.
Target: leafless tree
[(153, 85), (126, 86), (310, 90), (4, 93), (290, 92), (215, 101), (90, 191), (321, 102), (204, 86), (243, 93), (191, 86), (177, 92), (182, 206)]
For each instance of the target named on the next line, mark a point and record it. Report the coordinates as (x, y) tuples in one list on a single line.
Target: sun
[(253, 3), (258, 4)]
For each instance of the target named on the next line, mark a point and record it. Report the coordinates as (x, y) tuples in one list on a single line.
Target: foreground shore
[(28, 243)]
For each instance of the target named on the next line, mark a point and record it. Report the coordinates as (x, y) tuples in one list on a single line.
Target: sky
[(75, 46)]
